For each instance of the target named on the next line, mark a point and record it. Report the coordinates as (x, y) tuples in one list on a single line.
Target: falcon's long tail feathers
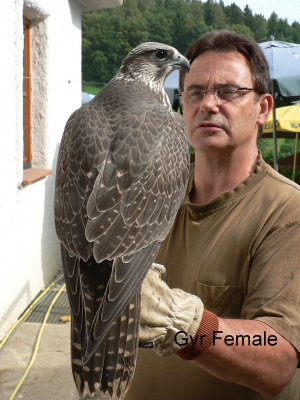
[(105, 334), (110, 369)]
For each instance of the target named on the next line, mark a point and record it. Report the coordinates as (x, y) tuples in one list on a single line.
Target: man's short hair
[(227, 41)]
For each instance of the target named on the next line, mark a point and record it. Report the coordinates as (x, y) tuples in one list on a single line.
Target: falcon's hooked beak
[(180, 62)]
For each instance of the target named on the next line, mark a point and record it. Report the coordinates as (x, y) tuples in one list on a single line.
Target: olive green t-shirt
[(240, 254)]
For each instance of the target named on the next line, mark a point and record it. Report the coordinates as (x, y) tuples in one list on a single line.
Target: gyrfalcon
[(121, 176)]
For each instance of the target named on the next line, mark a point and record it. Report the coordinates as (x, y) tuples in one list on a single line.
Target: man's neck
[(215, 175)]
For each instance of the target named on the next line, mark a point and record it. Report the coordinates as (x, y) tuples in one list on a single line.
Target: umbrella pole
[(295, 156), (274, 128)]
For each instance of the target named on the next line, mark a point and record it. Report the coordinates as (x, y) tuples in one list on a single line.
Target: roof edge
[(92, 5)]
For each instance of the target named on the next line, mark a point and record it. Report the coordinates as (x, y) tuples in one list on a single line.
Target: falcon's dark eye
[(161, 54)]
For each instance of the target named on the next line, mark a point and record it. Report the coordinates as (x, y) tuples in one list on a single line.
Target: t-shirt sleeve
[(273, 295)]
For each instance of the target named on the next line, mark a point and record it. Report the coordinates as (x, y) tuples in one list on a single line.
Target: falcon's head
[(152, 62)]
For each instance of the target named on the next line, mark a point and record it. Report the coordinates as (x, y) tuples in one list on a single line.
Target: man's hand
[(165, 312)]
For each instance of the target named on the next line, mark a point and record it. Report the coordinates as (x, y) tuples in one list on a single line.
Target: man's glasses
[(223, 94)]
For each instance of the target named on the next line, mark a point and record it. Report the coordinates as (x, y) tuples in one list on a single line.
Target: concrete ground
[(50, 377)]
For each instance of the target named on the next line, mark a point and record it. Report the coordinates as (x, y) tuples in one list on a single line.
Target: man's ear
[(264, 107)]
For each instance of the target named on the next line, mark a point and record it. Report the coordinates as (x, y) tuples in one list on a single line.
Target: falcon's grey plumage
[(121, 176)]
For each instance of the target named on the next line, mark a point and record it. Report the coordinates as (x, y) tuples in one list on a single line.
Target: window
[(27, 156)]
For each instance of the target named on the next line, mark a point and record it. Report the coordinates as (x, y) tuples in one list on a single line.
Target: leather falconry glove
[(165, 312)]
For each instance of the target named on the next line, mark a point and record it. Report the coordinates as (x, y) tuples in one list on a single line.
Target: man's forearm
[(252, 354)]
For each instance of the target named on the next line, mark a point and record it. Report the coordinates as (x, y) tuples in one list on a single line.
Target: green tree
[(179, 15), (248, 15), (273, 25), (209, 15), (100, 47), (259, 27), (108, 35), (295, 32), (266, 148), (234, 14), (196, 25), (219, 17), (159, 28), (287, 148), (242, 29), (284, 31)]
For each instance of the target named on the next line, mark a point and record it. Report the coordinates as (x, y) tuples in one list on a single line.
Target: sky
[(289, 9)]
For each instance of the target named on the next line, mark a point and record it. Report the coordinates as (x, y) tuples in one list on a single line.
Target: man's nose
[(210, 102)]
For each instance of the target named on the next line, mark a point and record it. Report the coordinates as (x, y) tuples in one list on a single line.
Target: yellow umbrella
[(287, 120)]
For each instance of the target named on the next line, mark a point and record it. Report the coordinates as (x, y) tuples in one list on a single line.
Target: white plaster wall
[(10, 127), (29, 248), (11, 100)]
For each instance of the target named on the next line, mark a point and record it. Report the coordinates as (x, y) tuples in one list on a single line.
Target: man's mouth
[(207, 125)]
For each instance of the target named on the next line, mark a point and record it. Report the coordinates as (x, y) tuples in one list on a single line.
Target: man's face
[(221, 125)]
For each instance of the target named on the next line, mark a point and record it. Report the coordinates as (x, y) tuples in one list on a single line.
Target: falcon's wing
[(83, 150)]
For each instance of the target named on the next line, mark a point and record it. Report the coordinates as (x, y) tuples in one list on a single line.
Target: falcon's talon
[(146, 345), (161, 268)]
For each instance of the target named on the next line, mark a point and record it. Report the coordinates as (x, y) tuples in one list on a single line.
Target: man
[(234, 246)]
